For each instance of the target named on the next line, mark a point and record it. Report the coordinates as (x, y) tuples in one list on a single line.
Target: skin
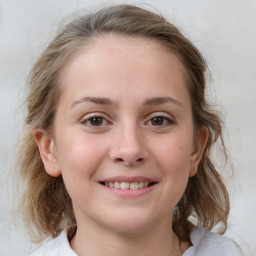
[(126, 139)]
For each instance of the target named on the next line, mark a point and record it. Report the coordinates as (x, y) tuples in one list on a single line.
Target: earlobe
[(198, 150), (47, 149)]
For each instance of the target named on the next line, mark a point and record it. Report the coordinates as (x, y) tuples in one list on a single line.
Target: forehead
[(127, 49), (112, 62)]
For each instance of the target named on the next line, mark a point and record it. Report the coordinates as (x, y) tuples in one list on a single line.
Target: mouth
[(124, 185), (128, 185)]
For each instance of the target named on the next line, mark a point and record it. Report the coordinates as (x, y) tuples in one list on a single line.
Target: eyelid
[(89, 116), (94, 114), (164, 115), (161, 114)]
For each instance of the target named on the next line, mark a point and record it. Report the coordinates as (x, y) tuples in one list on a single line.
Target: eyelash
[(166, 121), (90, 119)]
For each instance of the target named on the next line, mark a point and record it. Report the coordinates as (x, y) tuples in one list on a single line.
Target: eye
[(157, 121), (95, 121), (160, 121)]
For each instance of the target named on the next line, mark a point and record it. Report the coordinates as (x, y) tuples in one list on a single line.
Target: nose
[(129, 147)]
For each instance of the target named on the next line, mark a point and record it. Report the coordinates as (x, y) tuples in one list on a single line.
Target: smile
[(127, 185)]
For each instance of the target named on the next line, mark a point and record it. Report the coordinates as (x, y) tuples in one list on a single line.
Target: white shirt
[(204, 243)]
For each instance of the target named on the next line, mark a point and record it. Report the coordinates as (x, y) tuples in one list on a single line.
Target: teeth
[(117, 184), (141, 184), (134, 185), (127, 185)]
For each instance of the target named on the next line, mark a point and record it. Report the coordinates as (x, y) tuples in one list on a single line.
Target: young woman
[(116, 149)]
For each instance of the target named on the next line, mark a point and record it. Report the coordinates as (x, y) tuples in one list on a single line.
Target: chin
[(130, 222)]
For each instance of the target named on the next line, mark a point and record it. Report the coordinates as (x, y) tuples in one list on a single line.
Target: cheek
[(78, 163), (173, 159), (78, 159), (174, 153)]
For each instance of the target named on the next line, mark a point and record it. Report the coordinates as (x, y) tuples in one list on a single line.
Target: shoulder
[(56, 247), (210, 244), (50, 248)]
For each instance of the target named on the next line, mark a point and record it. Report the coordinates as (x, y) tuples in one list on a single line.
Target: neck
[(97, 240)]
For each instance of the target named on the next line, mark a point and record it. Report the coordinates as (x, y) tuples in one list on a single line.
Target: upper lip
[(127, 179)]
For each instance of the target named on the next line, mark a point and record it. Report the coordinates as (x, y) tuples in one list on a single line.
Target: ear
[(200, 141), (47, 148)]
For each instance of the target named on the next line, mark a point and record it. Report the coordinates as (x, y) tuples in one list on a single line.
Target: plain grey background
[(225, 33)]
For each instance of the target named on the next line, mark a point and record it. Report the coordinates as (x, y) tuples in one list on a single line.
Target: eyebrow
[(162, 100), (95, 100), (107, 101)]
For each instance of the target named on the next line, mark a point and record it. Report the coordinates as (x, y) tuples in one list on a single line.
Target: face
[(123, 138)]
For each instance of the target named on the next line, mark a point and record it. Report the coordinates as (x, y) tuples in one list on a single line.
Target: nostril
[(121, 160)]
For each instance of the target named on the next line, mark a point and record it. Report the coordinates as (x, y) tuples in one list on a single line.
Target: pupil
[(157, 121), (96, 121)]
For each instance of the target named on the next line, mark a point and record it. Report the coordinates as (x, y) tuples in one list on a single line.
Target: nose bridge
[(129, 147)]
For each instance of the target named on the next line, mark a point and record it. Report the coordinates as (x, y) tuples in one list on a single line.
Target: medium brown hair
[(45, 203)]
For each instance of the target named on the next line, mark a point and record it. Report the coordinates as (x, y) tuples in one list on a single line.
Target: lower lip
[(132, 193)]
